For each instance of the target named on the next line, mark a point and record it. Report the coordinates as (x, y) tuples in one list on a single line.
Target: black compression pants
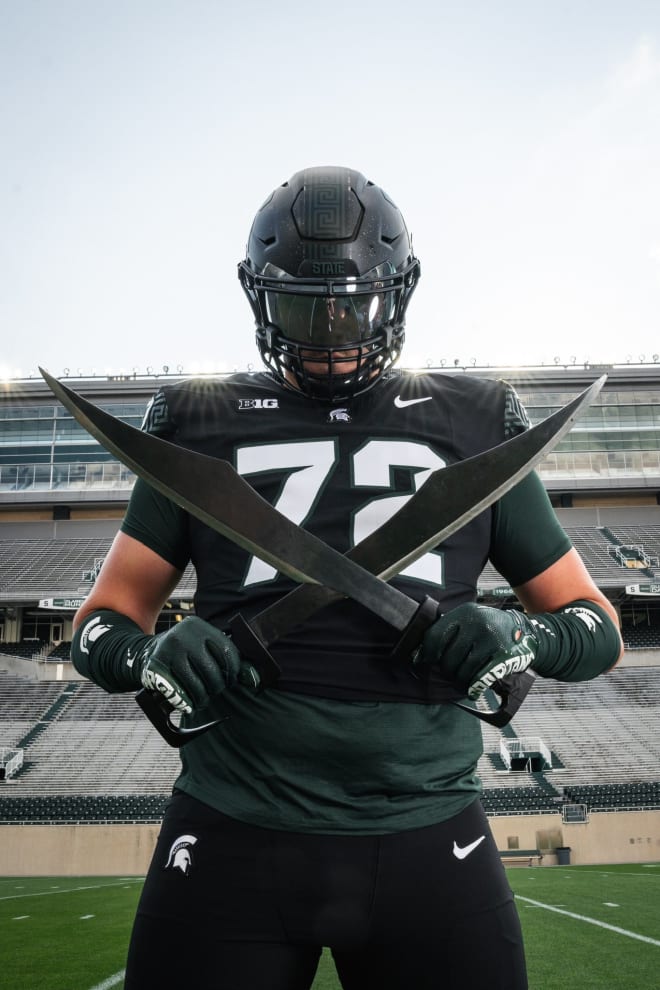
[(228, 906)]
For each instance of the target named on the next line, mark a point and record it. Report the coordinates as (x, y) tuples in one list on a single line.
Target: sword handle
[(252, 648), (512, 690), (155, 707), (412, 635)]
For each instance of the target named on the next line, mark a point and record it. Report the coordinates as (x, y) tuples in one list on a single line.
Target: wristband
[(105, 647), (576, 643)]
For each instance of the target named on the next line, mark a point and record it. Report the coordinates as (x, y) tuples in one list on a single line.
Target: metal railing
[(71, 476)]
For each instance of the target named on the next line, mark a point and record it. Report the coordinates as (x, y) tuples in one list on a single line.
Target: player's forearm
[(576, 643), (105, 647)]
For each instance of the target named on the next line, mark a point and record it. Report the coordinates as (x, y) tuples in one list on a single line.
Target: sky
[(520, 140)]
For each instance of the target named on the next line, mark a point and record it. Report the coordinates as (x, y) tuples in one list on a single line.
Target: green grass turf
[(64, 933), (71, 933), (563, 951)]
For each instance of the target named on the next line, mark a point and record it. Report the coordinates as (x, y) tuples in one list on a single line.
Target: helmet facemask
[(331, 340)]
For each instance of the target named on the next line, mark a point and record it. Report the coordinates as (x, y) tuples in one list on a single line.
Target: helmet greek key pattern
[(328, 209), (157, 417), (516, 419)]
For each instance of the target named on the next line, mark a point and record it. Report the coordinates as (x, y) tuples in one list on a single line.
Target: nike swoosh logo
[(402, 403), (461, 852)]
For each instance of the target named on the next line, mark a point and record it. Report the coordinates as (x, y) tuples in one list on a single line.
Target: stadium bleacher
[(31, 569), (641, 637), (37, 566), (93, 757), (87, 755), (29, 649), (602, 734)]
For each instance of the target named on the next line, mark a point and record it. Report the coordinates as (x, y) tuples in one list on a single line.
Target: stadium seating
[(595, 547), (39, 568), (642, 637), (89, 756), (647, 537), (27, 650), (61, 652), (607, 797), (602, 733), (65, 809)]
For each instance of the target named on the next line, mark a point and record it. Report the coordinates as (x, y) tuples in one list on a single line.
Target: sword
[(448, 500)]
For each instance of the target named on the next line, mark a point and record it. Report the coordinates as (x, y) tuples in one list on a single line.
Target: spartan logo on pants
[(180, 856)]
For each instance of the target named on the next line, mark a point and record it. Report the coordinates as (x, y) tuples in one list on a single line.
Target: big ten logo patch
[(258, 404)]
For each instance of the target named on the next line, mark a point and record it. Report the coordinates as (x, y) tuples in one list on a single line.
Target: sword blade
[(450, 498), (211, 490)]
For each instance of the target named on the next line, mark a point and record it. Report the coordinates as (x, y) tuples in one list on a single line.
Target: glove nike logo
[(402, 403), (461, 852)]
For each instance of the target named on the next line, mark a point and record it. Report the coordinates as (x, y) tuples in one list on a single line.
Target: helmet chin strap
[(294, 365)]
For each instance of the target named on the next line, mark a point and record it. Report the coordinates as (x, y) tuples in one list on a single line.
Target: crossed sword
[(213, 491)]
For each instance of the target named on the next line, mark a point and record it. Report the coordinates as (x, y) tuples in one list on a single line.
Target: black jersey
[(340, 472), (322, 753)]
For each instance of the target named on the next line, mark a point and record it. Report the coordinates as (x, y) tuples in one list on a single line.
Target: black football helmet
[(329, 271)]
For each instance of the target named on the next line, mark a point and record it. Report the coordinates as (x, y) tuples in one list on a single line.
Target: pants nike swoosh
[(461, 852)]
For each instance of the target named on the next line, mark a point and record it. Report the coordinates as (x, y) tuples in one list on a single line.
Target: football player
[(339, 807)]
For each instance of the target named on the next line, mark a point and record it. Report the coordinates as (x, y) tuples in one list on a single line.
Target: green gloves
[(191, 663), (474, 645)]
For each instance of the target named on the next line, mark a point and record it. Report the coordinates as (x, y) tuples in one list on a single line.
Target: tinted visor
[(330, 321)]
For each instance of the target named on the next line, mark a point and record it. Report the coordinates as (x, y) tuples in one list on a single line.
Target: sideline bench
[(517, 856)]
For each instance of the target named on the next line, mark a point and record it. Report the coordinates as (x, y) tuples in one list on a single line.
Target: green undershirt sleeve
[(158, 523), (106, 648), (577, 643), (527, 537)]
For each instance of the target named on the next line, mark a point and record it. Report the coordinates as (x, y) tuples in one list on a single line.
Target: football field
[(590, 927)]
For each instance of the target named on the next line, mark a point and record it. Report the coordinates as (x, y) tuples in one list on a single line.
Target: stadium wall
[(125, 850), (76, 850), (607, 837)]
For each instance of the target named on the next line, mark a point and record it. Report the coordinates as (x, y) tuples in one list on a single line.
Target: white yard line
[(602, 873), (67, 890), (589, 921), (637, 876), (111, 981)]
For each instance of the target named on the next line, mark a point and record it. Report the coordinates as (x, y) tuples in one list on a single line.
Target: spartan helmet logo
[(587, 616), (339, 416), (180, 856)]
